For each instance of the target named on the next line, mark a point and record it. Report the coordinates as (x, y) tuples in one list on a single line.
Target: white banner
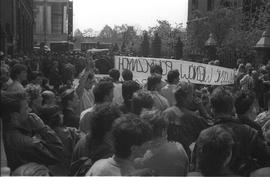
[(196, 73)]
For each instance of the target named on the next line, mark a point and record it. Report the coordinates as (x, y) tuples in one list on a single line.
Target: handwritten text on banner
[(196, 73)]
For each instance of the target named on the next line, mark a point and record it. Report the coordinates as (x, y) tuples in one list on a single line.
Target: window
[(195, 4), (57, 19), (210, 5)]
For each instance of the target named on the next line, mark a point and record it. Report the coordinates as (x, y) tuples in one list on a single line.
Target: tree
[(78, 33), (115, 48), (178, 49), (156, 46), (89, 32), (106, 32), (145, 45)]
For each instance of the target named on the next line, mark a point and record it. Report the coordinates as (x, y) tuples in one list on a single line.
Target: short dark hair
[(127, 131), (182, 90), (67, 95), (156, 69), (101, 90), (115, 74), (152, 81), (127, 75), (102, 120), (156, 120), (141, 99), (243, 101), (214, 146), (222, 101), (128, 88), (50, 116), (17, 69), (11, 103), (172, 75)]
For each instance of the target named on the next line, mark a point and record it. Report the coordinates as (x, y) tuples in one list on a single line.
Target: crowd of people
[(51, 125)]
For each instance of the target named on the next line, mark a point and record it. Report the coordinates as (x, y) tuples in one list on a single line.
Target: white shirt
[(117, 94)]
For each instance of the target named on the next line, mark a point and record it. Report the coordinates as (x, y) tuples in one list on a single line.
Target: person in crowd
[(117, 90), (263, 117), (246, 110), (97, 144), (18, 74), (157, 70), (168, 90), (36, 80), (184, 124), (247, 82), (5, 170), (165, 158), (127, 75), (54, 75), (85, 87), (32, 169), (53, 117), (48, 98), (141, 100), (249, 145), (130, 134), (128, 88), (35, 98), (154, 86), (214, 152), (45, 85), (26, 137), (103, 92), (70, 101), (5, 80)]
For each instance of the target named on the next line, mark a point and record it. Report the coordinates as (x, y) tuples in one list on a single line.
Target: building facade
[(53, 20), (16, 26), (203, 6)]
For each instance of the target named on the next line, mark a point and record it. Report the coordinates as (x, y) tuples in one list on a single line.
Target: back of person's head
[(156, 120), (102, 120), (127, 75), (128, 88), (128, 131), (102, 90), (183, 91), (222, 101), (66, 96), (243, 102), (47, 97), (31, 169), (115, 74), (141, 99), (153, 81), (11, 103), (214, 150), (33, 93), (156, 69), (16, 70), (35, 75), (51, 116), (172, 76)]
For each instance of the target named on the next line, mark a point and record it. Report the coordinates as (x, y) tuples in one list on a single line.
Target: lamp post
[(263, 45), (210, 46)]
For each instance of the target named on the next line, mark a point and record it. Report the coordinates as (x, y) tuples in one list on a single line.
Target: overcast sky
[(142, 13)]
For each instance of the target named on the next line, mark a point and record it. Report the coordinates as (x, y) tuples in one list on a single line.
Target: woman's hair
[(141, 99)]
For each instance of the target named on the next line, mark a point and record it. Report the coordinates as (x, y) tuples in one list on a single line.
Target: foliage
[(156, 46), (145, 46), (178, 49)]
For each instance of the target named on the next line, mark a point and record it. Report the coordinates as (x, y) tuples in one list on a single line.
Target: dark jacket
[(245, 120), (249, 151), (23, 146), (70, 118)]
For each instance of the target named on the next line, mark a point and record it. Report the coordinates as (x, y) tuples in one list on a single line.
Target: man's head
[(102, 120), (154, 83), (114, 74), (156, 69), (70, 99), (129, 135), (103, 91), (127, 75), (184, 94), (214, 150), (245, 104), (173, 77), (14, 105), (222, 101), (48, 98), (37, 77), (141, 100), (128, 88), (19, 72)]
